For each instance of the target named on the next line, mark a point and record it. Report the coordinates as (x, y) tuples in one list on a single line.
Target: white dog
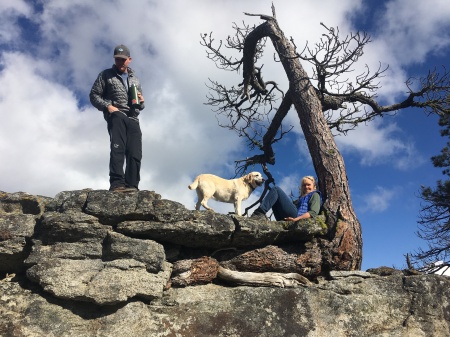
[(231, 191)]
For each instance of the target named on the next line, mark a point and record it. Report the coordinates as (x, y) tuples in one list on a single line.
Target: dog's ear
[(248, 178)]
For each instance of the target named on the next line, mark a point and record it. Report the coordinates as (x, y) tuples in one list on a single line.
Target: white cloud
[(290, 185), (378, 200), (46, 141), (55, 140), (379, 143), (408, 32), (416, 28), (10, 12)]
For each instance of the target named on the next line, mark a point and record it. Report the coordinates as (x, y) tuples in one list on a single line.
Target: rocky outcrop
[(97, 263)]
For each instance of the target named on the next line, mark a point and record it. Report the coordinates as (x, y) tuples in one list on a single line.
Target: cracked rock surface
[(96, 263)]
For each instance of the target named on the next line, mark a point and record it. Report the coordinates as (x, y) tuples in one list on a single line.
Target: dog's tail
[(194, 185)]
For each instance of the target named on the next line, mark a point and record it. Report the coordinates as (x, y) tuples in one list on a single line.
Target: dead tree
[(324, 101)]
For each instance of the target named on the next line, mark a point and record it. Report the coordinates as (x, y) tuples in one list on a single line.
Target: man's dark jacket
[(109, 89)]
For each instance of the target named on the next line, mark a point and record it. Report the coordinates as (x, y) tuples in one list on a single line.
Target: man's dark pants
[(126, 144)]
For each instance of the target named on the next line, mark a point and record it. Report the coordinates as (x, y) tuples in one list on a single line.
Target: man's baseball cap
[(121, 51)]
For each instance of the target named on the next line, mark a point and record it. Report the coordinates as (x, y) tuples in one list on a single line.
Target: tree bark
[(194, 272), (304, 259)]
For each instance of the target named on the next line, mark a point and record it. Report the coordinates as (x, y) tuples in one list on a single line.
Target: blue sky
[(52, 139)]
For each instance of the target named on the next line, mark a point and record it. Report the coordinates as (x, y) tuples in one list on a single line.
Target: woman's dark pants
[(280, 203)]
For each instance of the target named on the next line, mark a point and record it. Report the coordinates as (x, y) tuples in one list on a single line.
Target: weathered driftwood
[(268, 279)]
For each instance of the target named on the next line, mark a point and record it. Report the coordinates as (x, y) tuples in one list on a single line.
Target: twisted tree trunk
[(343, 250)]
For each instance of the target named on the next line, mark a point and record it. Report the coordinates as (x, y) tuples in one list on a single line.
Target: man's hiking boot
[(123, 189)]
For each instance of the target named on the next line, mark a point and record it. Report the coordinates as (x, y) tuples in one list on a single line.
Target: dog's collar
[(251, 187)]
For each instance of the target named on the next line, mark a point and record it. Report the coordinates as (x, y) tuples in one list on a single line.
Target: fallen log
[(303, 259)]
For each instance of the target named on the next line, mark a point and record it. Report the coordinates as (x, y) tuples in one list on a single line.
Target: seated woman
[(284, 209)]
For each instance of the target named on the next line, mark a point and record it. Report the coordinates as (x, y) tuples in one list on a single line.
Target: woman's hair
[(311, 178)]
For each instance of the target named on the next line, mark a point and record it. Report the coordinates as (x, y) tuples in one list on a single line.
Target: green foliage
[(443, 160), (434, 223), (320, 219)]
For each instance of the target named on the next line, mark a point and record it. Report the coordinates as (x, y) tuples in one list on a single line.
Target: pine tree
[(434, 223)]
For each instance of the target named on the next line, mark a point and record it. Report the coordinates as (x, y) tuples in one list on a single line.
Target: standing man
[(110, 93)]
